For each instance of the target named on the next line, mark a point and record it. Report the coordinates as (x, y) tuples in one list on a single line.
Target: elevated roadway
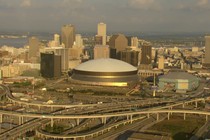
[(103, 116)]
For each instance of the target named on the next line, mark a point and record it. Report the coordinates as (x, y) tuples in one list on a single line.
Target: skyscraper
[(63, 52), (101, 51), (57, 40), (98, 40), (34, 46), (117, 43), (102, 32), (79, 41), (50, 65), (133, 41), (75, 53), (146, 57), (129, 56), (161, 60), (68, 35), (207, 52)]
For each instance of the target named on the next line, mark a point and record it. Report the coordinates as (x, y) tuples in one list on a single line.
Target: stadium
[(105, 72), (178, 81)]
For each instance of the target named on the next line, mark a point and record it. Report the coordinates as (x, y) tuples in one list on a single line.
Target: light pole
[(154, 90), (33, 83), (11, 122)]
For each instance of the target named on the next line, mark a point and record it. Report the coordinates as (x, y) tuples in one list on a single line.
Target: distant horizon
[(10, 32)]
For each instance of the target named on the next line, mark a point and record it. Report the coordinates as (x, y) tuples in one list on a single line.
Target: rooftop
[(177, 75), (106, 65)]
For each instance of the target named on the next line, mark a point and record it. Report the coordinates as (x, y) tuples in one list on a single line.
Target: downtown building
[(68, 35), (101, 51), (98, 40), (34, 46), (78, 42), (63, 52), (129, 56), (117, 43), (161, 62), (206, 63), (102, 32), (146, 57), (50, 65), (133, 41)]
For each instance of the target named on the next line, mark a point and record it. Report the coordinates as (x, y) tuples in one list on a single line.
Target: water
[(14, 42), (20, 41), (188, 39)]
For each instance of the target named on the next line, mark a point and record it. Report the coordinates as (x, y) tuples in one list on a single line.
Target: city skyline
[(104, 69), (120, 16)]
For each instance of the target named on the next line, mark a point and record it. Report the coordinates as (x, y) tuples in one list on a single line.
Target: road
[(96, 110), (201, 131), (124, 132)]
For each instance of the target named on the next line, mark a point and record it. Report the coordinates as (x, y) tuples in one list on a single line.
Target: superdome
[(105, 65), (106, 72)]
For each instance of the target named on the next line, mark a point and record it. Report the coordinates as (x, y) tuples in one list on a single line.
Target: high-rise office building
[(102, 32), (68, 35), (78, 41), (129, 56), (207, 52), (57, 40), (161, 60), (113, 53), (119, 42), (146, 51), (154, 53), (146, 57), (108, 38), (75, 53), (63, 52), (133, 41), (129, 40), (101, 51), (50, 65), (34, 46), (98, 40)]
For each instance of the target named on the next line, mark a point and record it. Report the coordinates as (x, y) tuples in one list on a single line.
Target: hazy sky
[(119, 15)]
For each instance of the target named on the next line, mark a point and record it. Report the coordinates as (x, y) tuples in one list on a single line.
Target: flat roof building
[(146, 57), (34, 46), (102, 32), (101, 51), (50, 65), (207, 52)]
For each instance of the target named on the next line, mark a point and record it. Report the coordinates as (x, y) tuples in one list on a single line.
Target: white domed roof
[(106, 65)]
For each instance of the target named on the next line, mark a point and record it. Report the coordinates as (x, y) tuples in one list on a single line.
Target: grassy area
[(22, 84), (56, 129), (93, 92), (180, 129)]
